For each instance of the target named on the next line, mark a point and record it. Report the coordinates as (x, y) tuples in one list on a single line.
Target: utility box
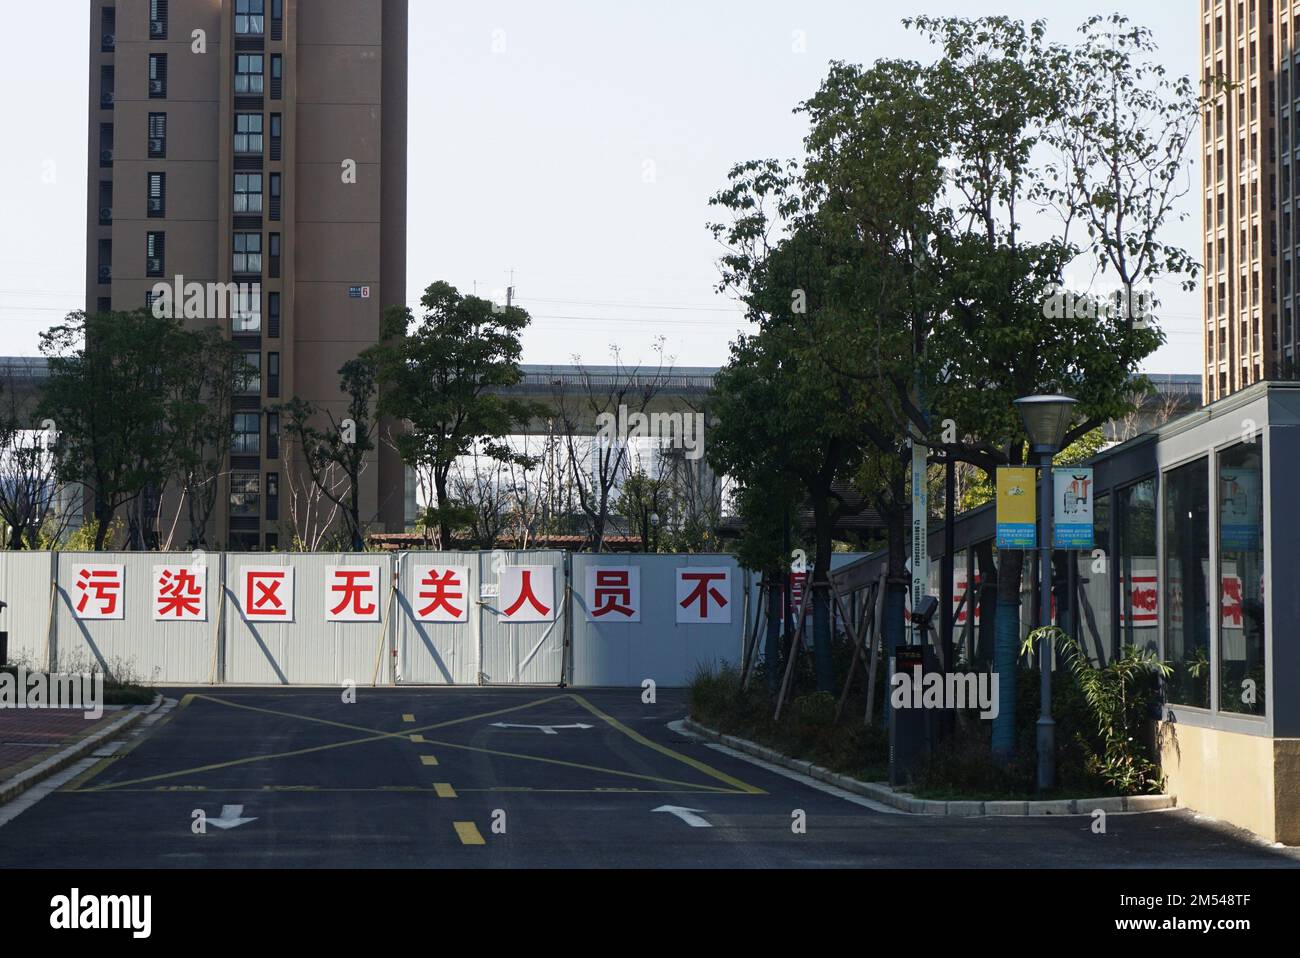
[(913, 731)]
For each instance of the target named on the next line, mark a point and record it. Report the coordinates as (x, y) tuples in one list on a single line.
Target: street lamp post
[(1046, 419)]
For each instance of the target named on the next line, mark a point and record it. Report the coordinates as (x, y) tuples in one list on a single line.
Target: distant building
[(257, 141)]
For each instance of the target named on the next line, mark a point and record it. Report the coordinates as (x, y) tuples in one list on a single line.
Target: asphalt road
[(443, 778)]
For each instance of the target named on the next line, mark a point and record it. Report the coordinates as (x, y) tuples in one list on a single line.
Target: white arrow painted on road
[(691, 816), (231, 817), (547, 729)]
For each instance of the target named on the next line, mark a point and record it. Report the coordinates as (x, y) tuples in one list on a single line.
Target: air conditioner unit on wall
[(106, 214)]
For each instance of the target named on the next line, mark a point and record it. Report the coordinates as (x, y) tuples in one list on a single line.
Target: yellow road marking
[(417, 739), (640, 739), (408, 718), (588, 768), (444, 790), (429, 759), (375, 737), (469, 834)]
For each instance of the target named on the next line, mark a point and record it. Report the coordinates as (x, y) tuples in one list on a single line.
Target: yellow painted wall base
[(1248, 780)]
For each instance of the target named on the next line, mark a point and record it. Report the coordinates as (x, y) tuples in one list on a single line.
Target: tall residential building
[(1249, 192), (223, 139)]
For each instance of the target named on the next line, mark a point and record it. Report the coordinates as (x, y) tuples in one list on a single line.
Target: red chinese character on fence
[(266, 596), (180, 596), (526, 595), (353, 584), (101, 592), (613, 593), (704, 591), (442, 591)]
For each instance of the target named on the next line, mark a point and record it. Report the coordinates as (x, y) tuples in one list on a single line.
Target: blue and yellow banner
[(1017, 509)]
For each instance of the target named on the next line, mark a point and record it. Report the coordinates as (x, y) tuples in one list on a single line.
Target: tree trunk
[(822, 657), (772, 650), (1006, 650), (444, 527)]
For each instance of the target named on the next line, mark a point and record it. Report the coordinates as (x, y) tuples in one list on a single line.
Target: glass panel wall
[(1186, 583), (1135, 524), (1092, 601), (1241, 574)]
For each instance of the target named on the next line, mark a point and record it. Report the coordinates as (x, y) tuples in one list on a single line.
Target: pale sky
[(534, 128)]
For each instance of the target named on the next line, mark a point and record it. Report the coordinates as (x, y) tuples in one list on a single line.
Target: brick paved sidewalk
[(29, 735)]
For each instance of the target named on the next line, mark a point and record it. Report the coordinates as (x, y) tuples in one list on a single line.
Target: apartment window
[(105, 261), (277, 19), (106, 84), (277, 76), (245, 495), (106, 145), (157, 76), (105, 202), (1186, 591), (275, 255), (103, 304), (156, 195), (275, 195), (272, 493), (273, 435), (273, 315), (157, 136), (157, 19), (108, 30), (155, 254), (248, 133), (249, 17), (248, 253), (277, 132), (273, 375), (247, 314), (250, 383), (248, 192), (248, 74)]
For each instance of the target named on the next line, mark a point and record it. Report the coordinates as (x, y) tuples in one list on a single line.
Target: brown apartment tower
[(222, 136), (1251, 191)]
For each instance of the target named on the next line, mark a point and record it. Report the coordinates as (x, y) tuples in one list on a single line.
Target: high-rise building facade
[(257, 142), (1251, 192)]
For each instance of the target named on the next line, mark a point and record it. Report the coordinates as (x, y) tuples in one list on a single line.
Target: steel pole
[(1046, 727)]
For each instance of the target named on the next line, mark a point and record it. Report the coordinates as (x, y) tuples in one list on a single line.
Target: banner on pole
[(1017, 510), (1072, 509)]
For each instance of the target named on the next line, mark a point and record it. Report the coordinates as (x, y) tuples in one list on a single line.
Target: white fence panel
[(108, 623), (445, 652), (25, 580), (611, 652), (303, 647), (522, 652)]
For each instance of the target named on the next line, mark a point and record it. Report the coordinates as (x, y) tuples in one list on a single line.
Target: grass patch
[(807, 730)]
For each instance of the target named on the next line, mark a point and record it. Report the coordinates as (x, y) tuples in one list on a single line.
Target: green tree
[(116, 385), (441, 376), (336, 455)]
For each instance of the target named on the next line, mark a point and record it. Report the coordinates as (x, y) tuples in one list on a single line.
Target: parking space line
[(694, 763), (748, 789), (444, 790), (469, 833)]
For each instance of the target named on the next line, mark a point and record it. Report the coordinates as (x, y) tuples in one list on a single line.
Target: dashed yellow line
[(417, 738), (444, 790), (428, 760), (408, 718), (469, 833)]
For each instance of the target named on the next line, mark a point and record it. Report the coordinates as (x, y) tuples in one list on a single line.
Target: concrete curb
[(27, 778), (918, 806)]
